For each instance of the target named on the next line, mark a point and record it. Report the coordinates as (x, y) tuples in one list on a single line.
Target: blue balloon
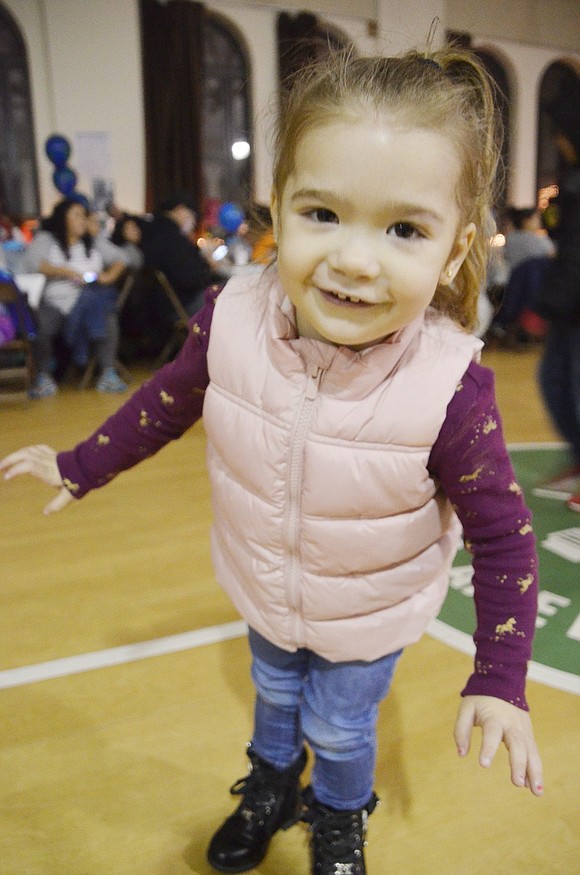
[(65, 180), (57, 149), (230, 217)]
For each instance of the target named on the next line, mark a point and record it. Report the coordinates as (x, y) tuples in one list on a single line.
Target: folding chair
[(16, 361), (179, 329)]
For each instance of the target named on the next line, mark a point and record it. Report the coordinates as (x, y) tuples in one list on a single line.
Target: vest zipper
[(294, 493)]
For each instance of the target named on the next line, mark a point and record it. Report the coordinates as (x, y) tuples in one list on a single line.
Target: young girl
[(350, 431)]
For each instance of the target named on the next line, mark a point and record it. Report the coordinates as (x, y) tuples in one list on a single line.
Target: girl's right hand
[(40, 461)]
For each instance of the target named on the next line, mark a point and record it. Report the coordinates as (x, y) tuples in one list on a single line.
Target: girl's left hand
[(40, 461), (499, 722)]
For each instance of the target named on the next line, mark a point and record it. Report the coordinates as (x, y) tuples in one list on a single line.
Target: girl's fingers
[(463, 729), (38, 460), (62, 499), (491, 738)]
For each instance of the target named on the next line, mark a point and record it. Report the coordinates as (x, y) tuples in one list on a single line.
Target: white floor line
[(544, 445), (544, 674), (58, 668)]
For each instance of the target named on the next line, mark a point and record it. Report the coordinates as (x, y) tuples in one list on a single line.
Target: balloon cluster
[(58, 151)]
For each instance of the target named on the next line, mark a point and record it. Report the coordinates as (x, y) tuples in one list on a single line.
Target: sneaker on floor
[(562, 487), (574, 503), (43, 386), (110, 381)]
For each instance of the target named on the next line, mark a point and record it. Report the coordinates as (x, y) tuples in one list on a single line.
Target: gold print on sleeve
[(489, 425), (524, 583), (467, 478), (197, 332), (144, 420), (482, 668), (166, 399), (72, 487), (103, 440), (507, 628)]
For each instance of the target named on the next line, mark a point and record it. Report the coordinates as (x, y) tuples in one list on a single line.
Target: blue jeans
[(559, 377), (331, 705)]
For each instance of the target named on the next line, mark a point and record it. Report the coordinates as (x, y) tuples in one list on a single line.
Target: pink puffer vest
[(328, 531)]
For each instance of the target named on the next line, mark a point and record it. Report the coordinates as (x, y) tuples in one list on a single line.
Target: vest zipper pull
[(313, 385)]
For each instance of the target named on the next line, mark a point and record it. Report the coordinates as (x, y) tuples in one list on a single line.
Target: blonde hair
[(446, 90)]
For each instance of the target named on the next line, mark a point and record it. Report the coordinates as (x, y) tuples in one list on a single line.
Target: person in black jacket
[(559, 302), (167, 247)]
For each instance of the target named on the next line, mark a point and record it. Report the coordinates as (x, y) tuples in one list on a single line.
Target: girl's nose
[(355, 257)]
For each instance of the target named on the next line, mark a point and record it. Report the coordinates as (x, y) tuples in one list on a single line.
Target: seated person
[(167, 247), (527, 253), (78, 298), (526, 239), (127, 234)]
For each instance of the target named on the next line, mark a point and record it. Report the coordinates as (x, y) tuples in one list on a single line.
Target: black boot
[(270, 801), (337, 838)]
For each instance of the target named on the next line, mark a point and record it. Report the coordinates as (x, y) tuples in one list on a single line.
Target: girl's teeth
[(342, 297)]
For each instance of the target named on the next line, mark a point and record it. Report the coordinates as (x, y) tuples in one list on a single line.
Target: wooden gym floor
[(125, 770)]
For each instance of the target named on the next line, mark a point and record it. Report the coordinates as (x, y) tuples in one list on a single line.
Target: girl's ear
[(458, 254)]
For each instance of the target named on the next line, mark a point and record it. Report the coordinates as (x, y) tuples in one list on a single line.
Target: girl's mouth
[(341, 299)]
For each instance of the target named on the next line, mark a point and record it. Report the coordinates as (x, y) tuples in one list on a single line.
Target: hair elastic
[(430, 62)]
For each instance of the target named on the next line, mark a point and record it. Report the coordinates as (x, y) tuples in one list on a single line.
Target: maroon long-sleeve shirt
[(469, 460)]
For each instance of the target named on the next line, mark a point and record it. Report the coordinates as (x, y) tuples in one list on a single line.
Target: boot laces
[(338, 838), (264, 789), (258, 799)]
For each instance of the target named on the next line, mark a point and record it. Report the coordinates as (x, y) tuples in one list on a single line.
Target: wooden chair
[(16, 360)]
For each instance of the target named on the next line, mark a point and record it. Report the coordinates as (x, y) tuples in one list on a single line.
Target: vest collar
[(348, 373)]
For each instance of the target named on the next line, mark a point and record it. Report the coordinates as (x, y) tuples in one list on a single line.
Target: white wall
[(407, 25)]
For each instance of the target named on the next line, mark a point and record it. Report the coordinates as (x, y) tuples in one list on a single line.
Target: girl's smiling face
[(368, 226)]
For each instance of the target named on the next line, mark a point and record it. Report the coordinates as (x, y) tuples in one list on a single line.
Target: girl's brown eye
[(323, 215), (404, 230)]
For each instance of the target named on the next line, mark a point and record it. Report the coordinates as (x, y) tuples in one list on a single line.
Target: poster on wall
[(95, 165)]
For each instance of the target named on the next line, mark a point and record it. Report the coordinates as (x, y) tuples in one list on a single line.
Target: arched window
[(554, 80), (503, 101), (226, 116), (18, 178), (499, 76), (197, 105)]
